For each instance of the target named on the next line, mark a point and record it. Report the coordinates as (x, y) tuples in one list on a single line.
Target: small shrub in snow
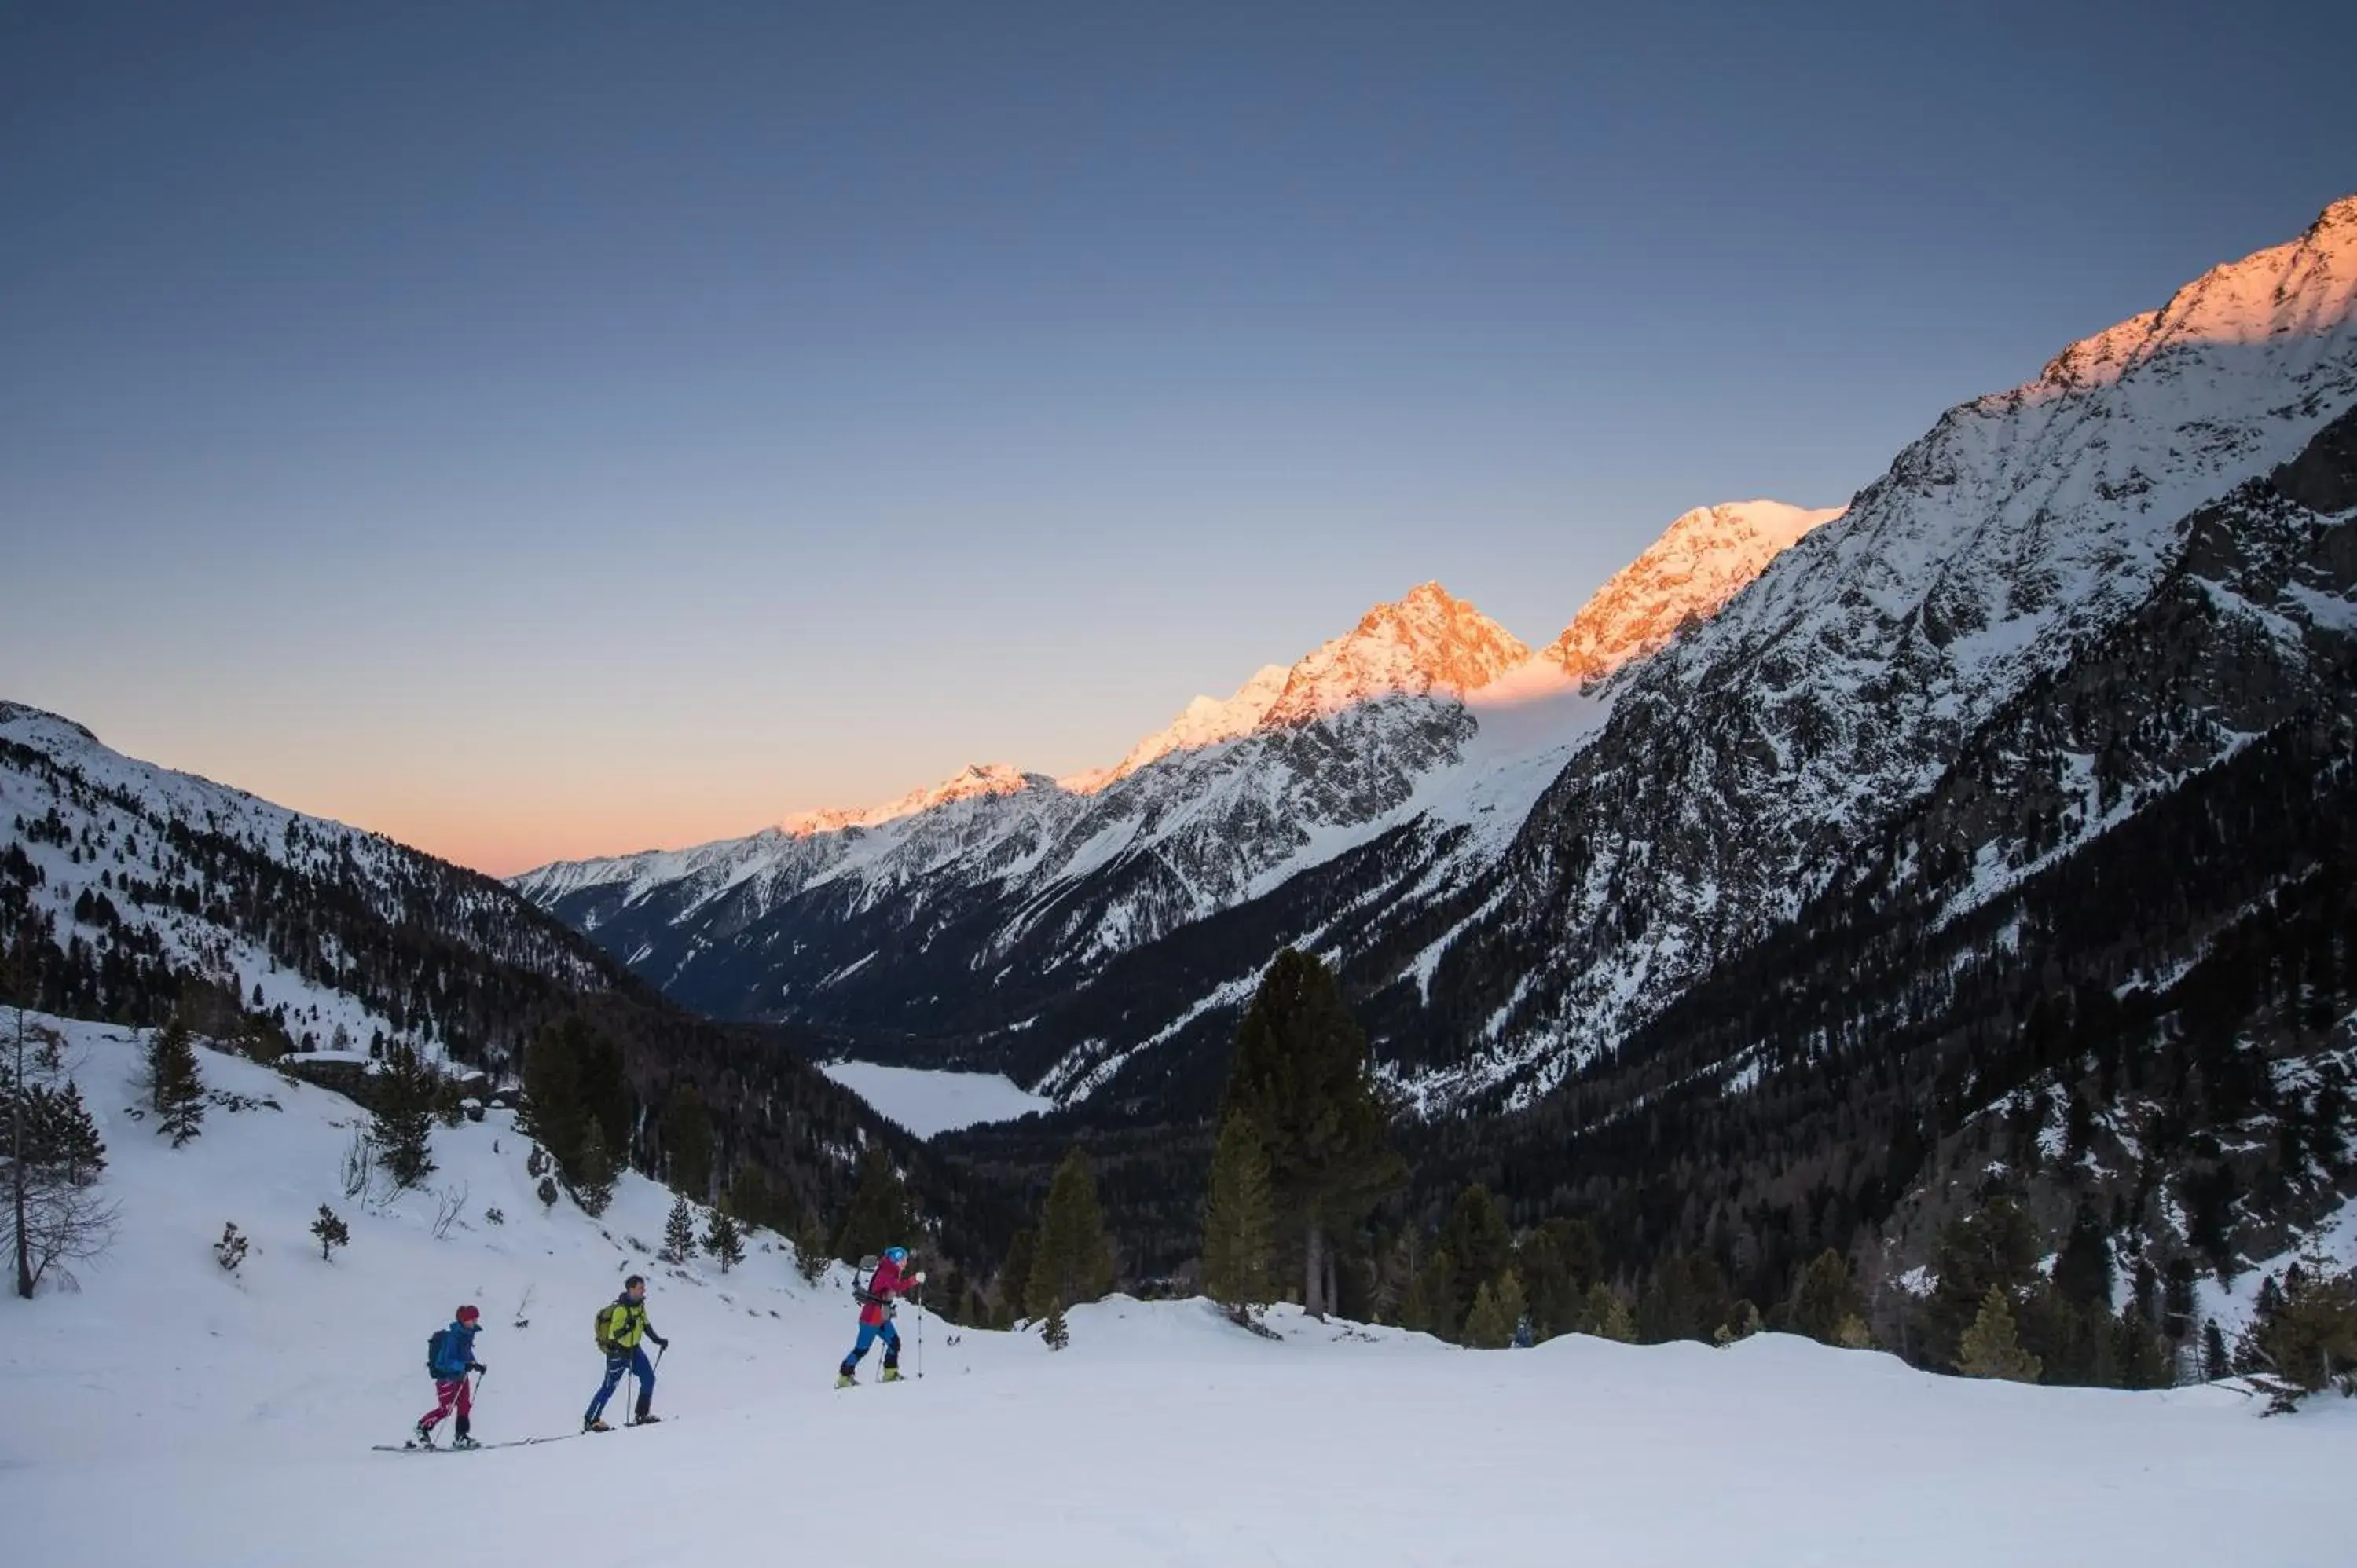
[(230, 1251), (449, 1206), (536, 1163), (546, 1192), (494, 1217), (360, 1165), (331, 1230)]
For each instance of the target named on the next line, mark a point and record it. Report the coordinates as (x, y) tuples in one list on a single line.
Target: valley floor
[(170, 1411)]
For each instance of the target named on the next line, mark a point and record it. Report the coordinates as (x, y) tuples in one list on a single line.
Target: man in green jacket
[(621, 1325)]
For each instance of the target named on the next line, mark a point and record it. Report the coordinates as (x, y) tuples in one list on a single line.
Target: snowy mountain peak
[(1205, 721), (974, 782), (1429, 641), (2303, 288), (1702, 560)]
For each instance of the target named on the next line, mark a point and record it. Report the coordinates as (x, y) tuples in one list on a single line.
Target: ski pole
[(920, 1331)]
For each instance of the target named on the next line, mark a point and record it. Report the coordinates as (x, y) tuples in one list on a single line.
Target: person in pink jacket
[(890, 1281)]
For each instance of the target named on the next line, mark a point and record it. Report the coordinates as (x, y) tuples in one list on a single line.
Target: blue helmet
[(897, 1256)]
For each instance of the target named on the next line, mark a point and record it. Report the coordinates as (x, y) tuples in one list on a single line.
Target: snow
[(929, 1100), (237, 1412)]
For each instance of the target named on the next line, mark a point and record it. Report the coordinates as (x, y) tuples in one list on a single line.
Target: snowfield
[(930, 1101), (237, 1412)]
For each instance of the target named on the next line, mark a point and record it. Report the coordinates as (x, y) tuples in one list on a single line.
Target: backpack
[(862, 1278), (597, 1324), (436, 1346)]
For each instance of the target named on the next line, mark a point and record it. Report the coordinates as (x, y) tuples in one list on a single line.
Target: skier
[(877, 1303), (450, 1356), (621, 1324)]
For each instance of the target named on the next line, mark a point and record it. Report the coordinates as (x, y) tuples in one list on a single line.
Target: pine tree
[(679, 1231), (176, 1090), (724, 1240), (402, 1096), (1607, 1316), (1995, 1247), (593, 1190), (880, 1215), (1300, 1075), (1431, 1306), (687, 1142), (758, 1204), (2082, 1269), (1015, 1277), (1486, 1326), (1478, 1236), (2215, 1362), (1055, 1330), (331, 1230), (811, 1256), (1072, 1260), (1991, 1346), (1824, 1298), (574, 1082), (1239, 1222)]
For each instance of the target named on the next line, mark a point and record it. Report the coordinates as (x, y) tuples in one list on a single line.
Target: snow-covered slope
[(134, 859), (170, 1410), (1841, 685)]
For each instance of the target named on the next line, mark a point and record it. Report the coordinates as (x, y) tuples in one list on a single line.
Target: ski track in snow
[(240, 1411)]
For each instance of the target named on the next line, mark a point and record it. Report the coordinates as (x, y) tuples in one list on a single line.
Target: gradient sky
[(542, 430)]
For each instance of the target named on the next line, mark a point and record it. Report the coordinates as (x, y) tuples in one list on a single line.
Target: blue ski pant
[(636, 1361), (868, 1334)]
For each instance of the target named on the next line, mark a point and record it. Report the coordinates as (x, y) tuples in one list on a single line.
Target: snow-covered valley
[(927, 1101), (238, 1410)]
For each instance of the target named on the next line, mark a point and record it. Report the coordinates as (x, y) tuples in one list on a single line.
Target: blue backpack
[(436, 1347)]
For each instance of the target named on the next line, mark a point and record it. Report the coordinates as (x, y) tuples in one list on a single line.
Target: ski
[(439, 1448)]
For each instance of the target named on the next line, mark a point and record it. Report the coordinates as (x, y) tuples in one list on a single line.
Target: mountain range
[(1731, 911), (1829, 873)]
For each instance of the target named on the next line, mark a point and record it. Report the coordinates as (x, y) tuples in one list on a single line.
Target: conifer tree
[(402, 1130), (724, 1240), (331, 1230), (2082, 1269), (1996, 1246), (1824, 1298), (2215, 1362), (1071, 1262), (1239, 1222), (1431, 1306), (687, 1142), (1478, 1236), (1607, 1316), (1300, 1075), (1015, 1277), (679, 1231), (880, 1215), (593, 1190), (176, 1090), (1055, 1330), (809, 1238), (757, 1204), (1486, 1326), (1991, 1346)]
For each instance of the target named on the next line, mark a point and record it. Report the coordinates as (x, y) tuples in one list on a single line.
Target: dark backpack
[(863, 1277), (436, 1347)]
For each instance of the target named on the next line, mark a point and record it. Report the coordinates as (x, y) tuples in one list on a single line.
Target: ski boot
[(846, 1380), (463, 1441), (421, 1436), (644, 1420), (891, 1375), (595, 1423)]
